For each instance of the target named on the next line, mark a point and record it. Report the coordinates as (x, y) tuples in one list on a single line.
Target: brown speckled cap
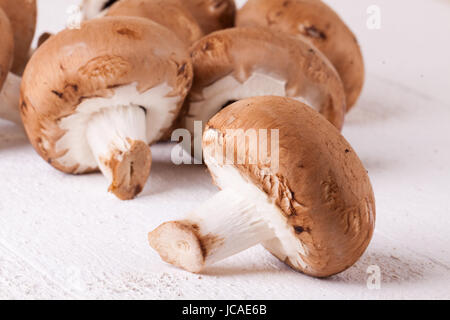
[(7, 48), (317, 22), (321, 186), (169, 13), (22, 15), (242, 51), (212, 15)]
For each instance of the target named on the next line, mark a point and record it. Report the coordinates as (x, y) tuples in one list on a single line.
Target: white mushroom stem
[(117, 138), (9, 99), (223, 226), (229, 89)]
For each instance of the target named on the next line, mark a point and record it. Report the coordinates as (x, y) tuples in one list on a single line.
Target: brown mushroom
[(22, 15), (168, 13), (211, 15), (314, 210), (316, 21), (239, 63), (9, 83), (98, 96)]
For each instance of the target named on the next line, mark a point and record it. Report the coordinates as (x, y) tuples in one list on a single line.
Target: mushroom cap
[(320, 188), (22, 14), (169, 13), (316, 21), (212, 15), (7, 49), (96, 61), (240, 52)]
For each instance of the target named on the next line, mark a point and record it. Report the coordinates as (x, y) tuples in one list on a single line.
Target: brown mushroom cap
[(212, 15), (169, 13), (316, 21), (321, 187), (7, 48), (93, 62), (22, 14), (240, 52)]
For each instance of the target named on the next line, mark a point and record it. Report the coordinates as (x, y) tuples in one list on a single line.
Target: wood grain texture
[(63, 237)]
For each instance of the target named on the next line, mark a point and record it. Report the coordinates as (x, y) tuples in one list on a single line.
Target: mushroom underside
[(108, 4), (228, 90), (155, 105), (113, 134)]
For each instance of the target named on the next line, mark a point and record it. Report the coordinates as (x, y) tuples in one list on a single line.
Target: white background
[(64, 237)]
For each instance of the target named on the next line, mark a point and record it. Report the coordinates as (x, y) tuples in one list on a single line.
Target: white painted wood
[(64, 237)]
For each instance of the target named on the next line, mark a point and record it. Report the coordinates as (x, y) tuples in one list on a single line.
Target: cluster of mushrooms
[(97, 97)]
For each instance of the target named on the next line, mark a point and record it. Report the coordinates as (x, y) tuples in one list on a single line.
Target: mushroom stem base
[(131, 172), (9, 99), (117, 138), (225, 225)]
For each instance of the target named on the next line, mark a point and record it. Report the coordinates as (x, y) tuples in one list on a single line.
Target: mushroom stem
[(9, 99), (223, 226), (117, 138)]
